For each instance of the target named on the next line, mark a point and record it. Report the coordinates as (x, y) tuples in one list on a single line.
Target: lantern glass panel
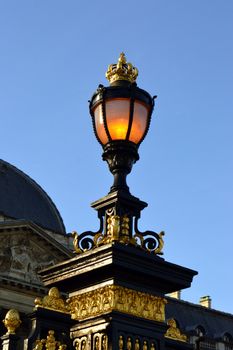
[(117, 116), (140, 120), (99, 124)]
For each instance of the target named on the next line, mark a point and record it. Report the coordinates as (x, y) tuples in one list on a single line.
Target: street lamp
[(121, 115)]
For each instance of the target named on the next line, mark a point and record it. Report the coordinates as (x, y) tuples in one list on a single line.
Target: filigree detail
[(50, 343), (111, 297), (52, 301), (118, 229), (86, 240), (149, 240), (12, 321), (123, 70), (174, 332)]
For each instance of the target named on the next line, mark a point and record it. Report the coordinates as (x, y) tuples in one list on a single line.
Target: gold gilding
[(99, 341), (174, 332), (118, 230), (135, 344), (159, 249), (76, 242), (52, 301), (122, 70), (111, 297), (12, 321), (50, 343)]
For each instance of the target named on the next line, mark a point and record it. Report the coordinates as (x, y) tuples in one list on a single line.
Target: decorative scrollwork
[(149, 240), (118, 229), (86, 240)]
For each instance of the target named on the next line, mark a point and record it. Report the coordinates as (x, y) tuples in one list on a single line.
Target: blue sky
[(53, 56)]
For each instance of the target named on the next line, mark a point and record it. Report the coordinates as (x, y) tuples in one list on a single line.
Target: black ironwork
[(120, 154), (86, 239), (150, 240), (119, 207)]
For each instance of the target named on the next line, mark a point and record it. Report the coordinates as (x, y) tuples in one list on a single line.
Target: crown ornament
[(122, 70)]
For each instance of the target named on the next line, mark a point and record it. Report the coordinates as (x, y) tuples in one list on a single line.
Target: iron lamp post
[(121, 115)]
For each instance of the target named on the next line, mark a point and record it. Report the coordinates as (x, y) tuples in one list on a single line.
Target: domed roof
[(22, 198)]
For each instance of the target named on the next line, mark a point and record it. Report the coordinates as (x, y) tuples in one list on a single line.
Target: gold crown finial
[(122, 70)]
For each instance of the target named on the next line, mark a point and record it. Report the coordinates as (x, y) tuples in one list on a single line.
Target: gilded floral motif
[(117, 298)]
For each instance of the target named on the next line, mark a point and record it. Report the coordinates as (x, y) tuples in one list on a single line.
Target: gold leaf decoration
[(52, 301), (122, 70), (111, 297), (50, 343), (174, 332), (12, 321)]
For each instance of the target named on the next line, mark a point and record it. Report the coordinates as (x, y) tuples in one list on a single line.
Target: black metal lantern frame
[(121, 154), (121, 89)]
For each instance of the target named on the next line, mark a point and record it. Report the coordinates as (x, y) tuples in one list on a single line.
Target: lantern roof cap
[(122, 70)]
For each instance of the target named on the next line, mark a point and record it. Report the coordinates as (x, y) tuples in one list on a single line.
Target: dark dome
[(22, 198)]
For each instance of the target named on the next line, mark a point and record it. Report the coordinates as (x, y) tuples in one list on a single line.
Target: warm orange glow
[(99, 125), (117, 118), (139, 122), (118, 129), (117, 112)]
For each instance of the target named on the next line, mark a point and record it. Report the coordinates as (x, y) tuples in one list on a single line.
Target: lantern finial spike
[(122, 70)]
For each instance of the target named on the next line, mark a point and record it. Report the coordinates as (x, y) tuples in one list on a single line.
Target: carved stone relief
[(21, 257)]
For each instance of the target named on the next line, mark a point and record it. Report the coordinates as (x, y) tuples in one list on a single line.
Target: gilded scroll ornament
[(52, 301), (12, 321), (77, 250), (159, 249), (118, 229), (50, 343), (111, 297), (174, 332)]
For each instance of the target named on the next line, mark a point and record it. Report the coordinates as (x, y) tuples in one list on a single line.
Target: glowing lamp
[(121, 115)]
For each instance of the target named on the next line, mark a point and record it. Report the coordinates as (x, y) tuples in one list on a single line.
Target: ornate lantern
[(121, 115)]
